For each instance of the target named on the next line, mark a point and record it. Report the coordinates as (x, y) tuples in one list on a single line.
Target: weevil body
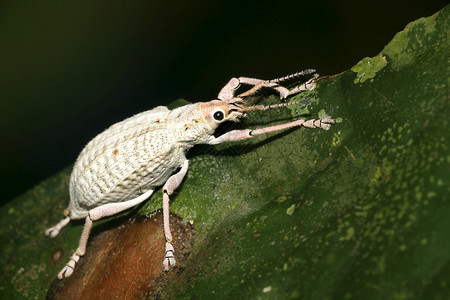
[(122, 166), (135, 155)]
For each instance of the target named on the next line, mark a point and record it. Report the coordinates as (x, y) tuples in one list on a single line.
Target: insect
[(122, 166)]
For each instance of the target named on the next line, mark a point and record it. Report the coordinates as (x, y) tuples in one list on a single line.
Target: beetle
[(122, 166)]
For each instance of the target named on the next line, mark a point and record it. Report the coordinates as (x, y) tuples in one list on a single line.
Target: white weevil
[(123, 165)]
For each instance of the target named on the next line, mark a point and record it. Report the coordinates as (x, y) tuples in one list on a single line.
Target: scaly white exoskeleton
[(122, 166)]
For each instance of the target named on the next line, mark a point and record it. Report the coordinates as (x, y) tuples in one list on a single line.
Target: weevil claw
[(169, 260), (69, 267), (51, 232)]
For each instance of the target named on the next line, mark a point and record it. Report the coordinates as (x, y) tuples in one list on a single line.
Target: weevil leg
[(274, 84), (54, 230), (94, 215), (169, 187), (229, 90), (307, 86), (243, 134)]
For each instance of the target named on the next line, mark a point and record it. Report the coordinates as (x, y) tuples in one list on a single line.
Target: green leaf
[(358, 211)]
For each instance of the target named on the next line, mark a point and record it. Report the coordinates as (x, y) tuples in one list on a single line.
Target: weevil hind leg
[(169, 187), (95, 214)]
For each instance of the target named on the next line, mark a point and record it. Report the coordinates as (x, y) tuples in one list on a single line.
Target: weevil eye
[(218, 115)]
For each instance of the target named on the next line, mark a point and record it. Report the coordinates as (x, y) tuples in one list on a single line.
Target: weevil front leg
[(229, 90), (94, 215), (243, 134), (171, 185)]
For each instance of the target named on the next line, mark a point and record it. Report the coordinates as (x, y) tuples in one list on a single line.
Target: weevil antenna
[(292, 76)]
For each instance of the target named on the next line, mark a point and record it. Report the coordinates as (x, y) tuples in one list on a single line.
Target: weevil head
[(216, 112)]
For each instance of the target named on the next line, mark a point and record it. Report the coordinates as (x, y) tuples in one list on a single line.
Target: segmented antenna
[(292, 76)]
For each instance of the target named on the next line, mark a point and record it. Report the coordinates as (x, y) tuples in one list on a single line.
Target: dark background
[(69, 70)]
